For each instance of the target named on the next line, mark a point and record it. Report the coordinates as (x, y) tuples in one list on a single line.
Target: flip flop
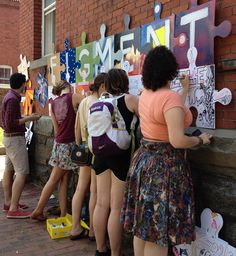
[(82, 235), (91, 238), (39, 217)]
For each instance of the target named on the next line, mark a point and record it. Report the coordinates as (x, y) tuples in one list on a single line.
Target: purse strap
[(86, 144)]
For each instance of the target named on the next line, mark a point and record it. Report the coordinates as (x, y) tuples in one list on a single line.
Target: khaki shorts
[(16, 154)]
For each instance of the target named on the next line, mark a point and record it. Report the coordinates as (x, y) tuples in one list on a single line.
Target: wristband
[(200, 141)]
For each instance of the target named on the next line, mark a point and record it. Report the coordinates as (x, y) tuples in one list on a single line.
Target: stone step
[(2, 150)]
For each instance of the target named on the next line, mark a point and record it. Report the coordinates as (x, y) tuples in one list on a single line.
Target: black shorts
[(119, 165)]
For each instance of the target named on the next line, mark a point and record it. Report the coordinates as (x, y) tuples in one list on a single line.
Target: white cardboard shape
[(23, 67), (207, 241)]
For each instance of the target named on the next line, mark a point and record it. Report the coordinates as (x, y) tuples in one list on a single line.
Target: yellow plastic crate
[(61, 227)]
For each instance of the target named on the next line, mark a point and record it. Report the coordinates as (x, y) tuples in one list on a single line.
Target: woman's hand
[(206, 138), (185, 82), (185, 86)]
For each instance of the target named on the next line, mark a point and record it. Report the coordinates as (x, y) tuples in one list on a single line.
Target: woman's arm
[(54, 122), (77, 129), (76, 99), (132, 103), (185, 87), (175, 123)]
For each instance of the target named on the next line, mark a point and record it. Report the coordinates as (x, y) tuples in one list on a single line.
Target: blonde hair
[(56, 90)]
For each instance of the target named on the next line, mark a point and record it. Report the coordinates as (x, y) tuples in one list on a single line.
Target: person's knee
[(103, 203)]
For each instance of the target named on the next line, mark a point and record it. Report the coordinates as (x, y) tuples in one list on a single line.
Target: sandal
[(82, 235), (107, 253), (39, 217), (91, 238)]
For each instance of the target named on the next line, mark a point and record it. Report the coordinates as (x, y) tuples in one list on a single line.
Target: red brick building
[(216, 164), (73, 17), (9, 43)]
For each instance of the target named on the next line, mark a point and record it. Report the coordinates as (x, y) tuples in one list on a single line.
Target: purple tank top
[(63, 110)]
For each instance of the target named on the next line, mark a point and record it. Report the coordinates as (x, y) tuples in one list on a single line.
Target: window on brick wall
[(5, 73), (49, 24)]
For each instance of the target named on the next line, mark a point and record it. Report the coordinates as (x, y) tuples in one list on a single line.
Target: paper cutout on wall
[(28, 99), (41, 92), (28, 134), (104, 49), (68, 59), (128, 43), (84, 54), (199, 20), (207, 241), (54, 69), (23, 67), (201, 91)]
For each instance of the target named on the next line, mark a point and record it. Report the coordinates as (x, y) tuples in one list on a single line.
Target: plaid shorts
[(60, 157)]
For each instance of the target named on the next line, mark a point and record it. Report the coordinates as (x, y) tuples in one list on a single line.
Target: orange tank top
[(152, 106)]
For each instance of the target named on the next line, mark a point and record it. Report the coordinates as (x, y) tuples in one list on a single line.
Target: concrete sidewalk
[(30, 238)]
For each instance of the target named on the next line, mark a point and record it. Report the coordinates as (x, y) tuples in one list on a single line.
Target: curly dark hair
[(160, 66), (17, 80), (117, 81)]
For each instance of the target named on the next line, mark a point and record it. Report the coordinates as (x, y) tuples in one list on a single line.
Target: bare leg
[(114, 225), (62, 193), (48, 189), (152, 249), (102, 209), (92, 201), (78, 198), (139, 245), (7, 182), (17, 188)]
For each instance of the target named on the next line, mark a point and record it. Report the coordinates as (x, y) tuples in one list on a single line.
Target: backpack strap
[(86, 144)]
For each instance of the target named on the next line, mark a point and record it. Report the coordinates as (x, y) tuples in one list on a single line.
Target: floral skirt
[(158, 203), (61, 156)]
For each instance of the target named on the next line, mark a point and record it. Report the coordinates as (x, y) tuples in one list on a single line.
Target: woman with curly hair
[(158, 204)]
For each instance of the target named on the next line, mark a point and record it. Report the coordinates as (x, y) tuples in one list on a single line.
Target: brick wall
[(30, 29), (9, 43), (9, 31), (73, 17)]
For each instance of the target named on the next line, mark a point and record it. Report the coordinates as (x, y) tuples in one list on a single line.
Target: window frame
[(6, 86), (45, 11)]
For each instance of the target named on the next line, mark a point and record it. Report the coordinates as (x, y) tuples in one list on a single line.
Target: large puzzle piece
[(128, 42), (161, 31), (207, 241), (198, 23), (84, 54), (196, 58), (68, 59), (104, 49), (54, 69)]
